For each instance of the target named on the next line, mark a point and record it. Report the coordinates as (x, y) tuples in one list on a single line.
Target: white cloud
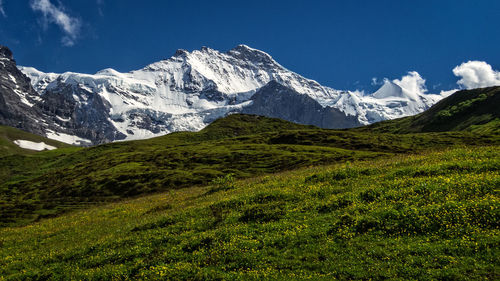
[(52, 14), (2, 11), (412, 82), (476, 74)]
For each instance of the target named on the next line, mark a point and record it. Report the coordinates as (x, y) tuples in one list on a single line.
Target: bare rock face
[(17, 97), (88, 120), (278, 101), (6, 53)]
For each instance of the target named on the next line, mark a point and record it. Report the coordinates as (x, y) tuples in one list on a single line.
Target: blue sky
[(341, 44)]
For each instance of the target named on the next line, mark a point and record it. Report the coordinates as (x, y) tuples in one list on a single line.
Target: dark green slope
[(476, 110), (244, 124)]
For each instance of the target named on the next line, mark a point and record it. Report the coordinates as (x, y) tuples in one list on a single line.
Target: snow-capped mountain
[(192, 89)]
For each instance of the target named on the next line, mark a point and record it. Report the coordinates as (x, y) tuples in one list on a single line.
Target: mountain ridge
[(190, 90)]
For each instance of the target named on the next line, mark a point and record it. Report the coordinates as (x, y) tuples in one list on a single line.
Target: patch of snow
[(12, 78), (75, 140), (39, 80), (38, 146), (63, 119), (23, 98)]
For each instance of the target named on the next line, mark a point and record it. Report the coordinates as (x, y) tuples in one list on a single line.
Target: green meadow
[(428, 216)]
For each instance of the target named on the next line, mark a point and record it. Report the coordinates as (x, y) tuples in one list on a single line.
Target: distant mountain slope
[(189, 90), (278, 101), (476, 110)]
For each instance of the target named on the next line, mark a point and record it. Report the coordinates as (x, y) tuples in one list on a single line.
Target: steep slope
[(474, 110), (17, 97), (192, 89)]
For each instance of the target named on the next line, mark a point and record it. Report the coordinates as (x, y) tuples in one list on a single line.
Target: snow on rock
[(39, 79), (38, 146), (191, 89), (69, 139)]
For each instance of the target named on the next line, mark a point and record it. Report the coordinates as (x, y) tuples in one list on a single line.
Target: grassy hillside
[(244, 124), (430, 216), (8, 135), (48, 183), (468, 110)]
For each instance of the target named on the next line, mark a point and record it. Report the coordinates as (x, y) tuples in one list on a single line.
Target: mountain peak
[(246, 49), (243, 47), (5, 52), (180, 52), (245, 52), (389, 89), (206, 49)]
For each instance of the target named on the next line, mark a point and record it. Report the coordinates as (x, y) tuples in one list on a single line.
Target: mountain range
[(186, 92)]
